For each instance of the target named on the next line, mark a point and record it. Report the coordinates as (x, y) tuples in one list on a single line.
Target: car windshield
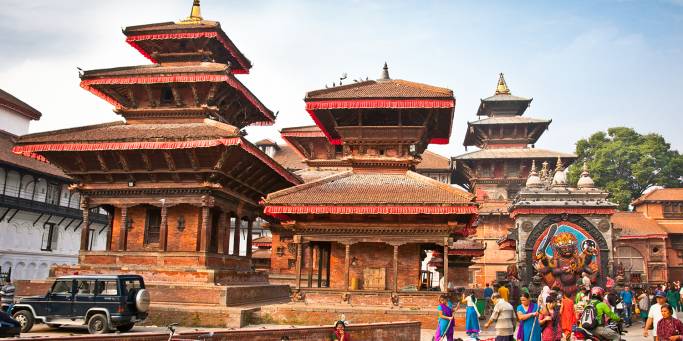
[(62, 287)]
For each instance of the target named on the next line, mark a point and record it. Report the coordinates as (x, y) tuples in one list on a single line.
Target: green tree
[(626, 163)]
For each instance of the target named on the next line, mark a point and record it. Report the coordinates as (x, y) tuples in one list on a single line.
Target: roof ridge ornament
[(385, 73), (195, 15), (533, 181), (560, 176), (502, 87), (585, 181)]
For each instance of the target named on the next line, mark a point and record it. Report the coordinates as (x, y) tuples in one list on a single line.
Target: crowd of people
[(555, 316)]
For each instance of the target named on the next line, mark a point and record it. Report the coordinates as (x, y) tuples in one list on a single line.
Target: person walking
[(471, 316), (527, 314), (627, 298), (488, 291), (654, 315), (504, 317), (504, 292), (669, 328), (602, 310), (545, 292), (549, 318), (673, 297), (644, 304)]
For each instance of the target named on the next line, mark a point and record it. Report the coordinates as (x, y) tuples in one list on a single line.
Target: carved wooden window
[(52, 194), (673, 209), (485, 170), (512, 168), (50, 237), (152, 225), (166, 96)]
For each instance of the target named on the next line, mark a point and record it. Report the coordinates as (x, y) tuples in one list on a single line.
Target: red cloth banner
[(331, 209), (558, 210), (244, 65), (380, 103)]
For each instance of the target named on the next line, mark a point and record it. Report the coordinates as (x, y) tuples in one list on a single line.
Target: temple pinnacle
[(559, 166), (195, 14), (502, 88), (385, 72), (585, 181)]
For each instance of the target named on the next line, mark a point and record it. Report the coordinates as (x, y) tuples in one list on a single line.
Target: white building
[(40, 218)]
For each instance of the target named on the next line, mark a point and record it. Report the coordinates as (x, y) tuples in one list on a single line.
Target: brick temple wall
[(185, 240), (375, 255), (397, 331), (489, 230)]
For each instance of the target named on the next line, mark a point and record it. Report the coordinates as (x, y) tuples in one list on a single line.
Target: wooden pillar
[(123, 234), (86, 222), (299, 261), (445, 264), (310, 264), (395, 267), (250, 225), (319, 252), (221, 233), (347, 263), (226, 233), (111, 228), (236, 237), (163, 228), (204, 233)]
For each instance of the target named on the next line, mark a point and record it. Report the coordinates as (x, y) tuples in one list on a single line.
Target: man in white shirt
[(585, 280), (655, 314)]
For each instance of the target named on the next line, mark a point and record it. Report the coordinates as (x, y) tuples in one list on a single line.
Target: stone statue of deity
[(563, 269)]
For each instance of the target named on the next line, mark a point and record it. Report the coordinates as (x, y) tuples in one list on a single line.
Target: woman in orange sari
[(567, 316)]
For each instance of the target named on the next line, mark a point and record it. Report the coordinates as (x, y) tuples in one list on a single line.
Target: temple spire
[(502, 88), (385, 72), (195, 14)]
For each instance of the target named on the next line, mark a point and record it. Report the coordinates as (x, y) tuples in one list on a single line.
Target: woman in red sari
[(340, 333), (669, 328)]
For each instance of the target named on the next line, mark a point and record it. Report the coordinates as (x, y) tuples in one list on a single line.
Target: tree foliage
[(626, 163)]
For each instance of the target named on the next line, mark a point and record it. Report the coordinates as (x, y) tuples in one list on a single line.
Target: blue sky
[(589, 65)]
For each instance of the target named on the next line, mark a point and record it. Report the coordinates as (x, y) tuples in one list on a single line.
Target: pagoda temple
[(498, 170), (367, 228), (177, 175)]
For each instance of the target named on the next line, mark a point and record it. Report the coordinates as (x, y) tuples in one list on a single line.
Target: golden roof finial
[(559, 166), (195, 14), (502, 88)]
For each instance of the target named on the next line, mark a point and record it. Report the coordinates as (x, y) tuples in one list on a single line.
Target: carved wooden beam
[(240, 183), (131, 96), (104, 167), (195, 95), (211, 94), (176, 95), (123, 162), (170, 162), (150, 96), (192, 155), (116, 96)]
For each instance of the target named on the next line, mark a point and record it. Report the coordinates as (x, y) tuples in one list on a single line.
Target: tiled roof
[(513, 153), (266, 142), (431, 160), (392, 88), (494, 207), (634, 224), (169, 25), (6, 156), (155, 69), (289, 158), (349, 188), (661, 194), (672, 227), (119, 131), (17, 105), (261, 254), (509, 120), (310, 175), (504, 97)]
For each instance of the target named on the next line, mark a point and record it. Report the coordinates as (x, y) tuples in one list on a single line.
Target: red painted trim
[(554, 210), (234, 141), (439, 140), (380, 103), (303, 134), (181, 78), (142, 52), (244, 65), (327, 209)]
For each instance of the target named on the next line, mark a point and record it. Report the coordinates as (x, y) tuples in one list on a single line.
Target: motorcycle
[(587, 335)]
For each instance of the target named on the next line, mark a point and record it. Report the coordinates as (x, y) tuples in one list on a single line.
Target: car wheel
[(125, 327), (25, 319), (53, 325), (98, 324)]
